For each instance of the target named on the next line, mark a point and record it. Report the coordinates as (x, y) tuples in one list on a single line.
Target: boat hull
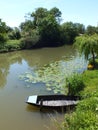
[(52, 101)]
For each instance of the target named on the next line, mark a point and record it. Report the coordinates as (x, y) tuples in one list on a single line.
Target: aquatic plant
[(54, 74)]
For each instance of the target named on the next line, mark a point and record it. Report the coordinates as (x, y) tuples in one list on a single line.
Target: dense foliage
[(3, 35), (50, 31), (71, 30), (43, 28), (88, 45), (75, 84), (44, 25)]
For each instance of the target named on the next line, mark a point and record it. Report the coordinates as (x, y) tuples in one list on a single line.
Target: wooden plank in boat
[(58, 103)]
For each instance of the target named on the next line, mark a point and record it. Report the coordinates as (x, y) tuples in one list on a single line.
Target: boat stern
[(32, 99)]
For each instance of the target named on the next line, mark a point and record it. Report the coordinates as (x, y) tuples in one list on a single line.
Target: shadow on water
[(32, 108), (54, 117)]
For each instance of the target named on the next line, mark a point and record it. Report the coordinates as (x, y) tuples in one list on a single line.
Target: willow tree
[(87, 45)]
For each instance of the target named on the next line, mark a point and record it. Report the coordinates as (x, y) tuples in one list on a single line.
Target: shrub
[(90, 103), (81, 120), (13, 45), (3, 39), (75, 84), (29, 42), (85, 117)]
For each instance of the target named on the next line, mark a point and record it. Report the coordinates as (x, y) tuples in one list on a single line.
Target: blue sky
[(81, 11)]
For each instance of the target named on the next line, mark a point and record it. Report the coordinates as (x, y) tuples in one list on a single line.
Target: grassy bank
[(85, 116), (11, 45)]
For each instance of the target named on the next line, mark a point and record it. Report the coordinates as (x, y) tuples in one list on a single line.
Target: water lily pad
[(54, 74), (49, 89)]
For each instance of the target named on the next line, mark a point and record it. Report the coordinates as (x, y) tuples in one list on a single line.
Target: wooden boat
[(52, 101)]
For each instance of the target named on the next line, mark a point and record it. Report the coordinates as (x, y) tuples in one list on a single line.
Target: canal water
[(15, 114)]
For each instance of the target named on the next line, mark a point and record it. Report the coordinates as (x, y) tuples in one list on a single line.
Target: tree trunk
[(93, 57)]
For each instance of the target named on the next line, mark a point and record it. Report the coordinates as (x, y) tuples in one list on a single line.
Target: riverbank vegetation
[(42, 28), (88, 45), (85, 117)]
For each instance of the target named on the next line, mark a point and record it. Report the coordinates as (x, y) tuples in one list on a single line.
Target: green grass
[(13, 45), (91, 81), (13, 42), (85, 117)]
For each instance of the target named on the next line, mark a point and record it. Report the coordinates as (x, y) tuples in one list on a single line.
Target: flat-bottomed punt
[(52, 101)]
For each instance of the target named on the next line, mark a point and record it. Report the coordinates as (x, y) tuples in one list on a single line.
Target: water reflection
[(14, 112), (32, 108), (4, 69), (33, 58)]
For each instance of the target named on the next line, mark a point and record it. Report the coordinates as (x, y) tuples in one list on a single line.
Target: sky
[(13, 12)]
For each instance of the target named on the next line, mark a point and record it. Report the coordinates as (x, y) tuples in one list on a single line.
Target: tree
[(26, 26), (3, 33), (87, 45), (14, 34), (30, 41), (69, 32), (80, 28), (91, 30), (56, 13), (38, 15), (3, 27), (46, 24), (49, 31)]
